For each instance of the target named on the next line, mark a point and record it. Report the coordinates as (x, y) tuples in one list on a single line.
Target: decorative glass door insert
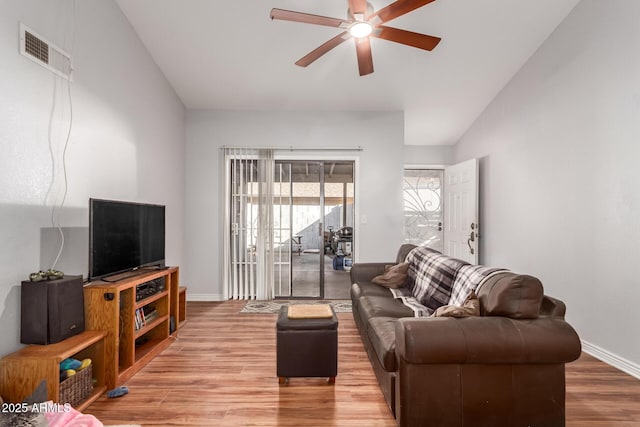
[(423, 207)]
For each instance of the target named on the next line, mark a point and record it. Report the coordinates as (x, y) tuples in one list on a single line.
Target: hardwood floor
[(221, 372)]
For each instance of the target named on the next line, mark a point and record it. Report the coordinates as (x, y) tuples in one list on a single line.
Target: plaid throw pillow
[(433, 275)]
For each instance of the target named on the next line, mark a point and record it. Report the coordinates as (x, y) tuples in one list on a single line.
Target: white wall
[(559, 151), (428, 154), (378, 193), (127, 138)]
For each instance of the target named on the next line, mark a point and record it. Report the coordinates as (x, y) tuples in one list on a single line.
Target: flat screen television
[(124, 236)]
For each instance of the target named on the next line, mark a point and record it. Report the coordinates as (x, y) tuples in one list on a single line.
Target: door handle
[(437, 227), (472, 238)]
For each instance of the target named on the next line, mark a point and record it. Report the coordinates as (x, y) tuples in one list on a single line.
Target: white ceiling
[(231, 55)]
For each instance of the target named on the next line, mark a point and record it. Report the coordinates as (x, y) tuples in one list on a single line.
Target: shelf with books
[(150, 325)]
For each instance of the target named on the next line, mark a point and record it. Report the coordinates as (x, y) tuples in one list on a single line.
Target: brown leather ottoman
[(307, 347)]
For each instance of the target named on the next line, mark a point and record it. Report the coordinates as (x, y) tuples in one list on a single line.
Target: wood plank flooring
[(221, 372)]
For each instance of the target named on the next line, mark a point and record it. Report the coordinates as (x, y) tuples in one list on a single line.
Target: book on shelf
[(151, 316), (139, 318)]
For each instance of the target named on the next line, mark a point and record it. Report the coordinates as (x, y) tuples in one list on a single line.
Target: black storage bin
[(306, 347), (51, 310)]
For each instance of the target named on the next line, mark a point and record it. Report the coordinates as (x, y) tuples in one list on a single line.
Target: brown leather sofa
[(505, 367)]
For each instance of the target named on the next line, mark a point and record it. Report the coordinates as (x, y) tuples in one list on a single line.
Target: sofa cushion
[(470, 307), (382, 335), (362, 289), (375, 306), (395, 276), (518, 296), (433, 275)]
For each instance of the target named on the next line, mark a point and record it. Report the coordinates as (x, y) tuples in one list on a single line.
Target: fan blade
[(396, 9), (358, 7), (409, 38), (365, 60), (306, 18), (322, 49)]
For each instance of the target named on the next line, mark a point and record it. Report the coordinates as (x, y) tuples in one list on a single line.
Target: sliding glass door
[(289, 227), (313, 228), (339, 218)]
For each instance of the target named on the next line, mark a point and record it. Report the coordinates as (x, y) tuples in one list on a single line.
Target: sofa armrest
[(486, 340), (363, 272)]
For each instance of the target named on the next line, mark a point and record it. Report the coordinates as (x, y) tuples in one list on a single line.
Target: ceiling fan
[(361, 24)]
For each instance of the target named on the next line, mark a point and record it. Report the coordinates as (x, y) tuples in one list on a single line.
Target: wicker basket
[(77, 387)]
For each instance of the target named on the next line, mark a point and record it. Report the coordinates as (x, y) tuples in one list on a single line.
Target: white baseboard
[(616, 361), (204, 297)]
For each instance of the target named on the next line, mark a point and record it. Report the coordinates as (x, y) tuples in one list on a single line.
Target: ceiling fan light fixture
[(360, 29), (362, 24)]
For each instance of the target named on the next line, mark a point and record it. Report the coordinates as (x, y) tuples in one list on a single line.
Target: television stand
[(112, 307), (115, 278)]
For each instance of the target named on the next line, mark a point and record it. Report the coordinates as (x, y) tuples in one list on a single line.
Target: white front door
[(461, 211)]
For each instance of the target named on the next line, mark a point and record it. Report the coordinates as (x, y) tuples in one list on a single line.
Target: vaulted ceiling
[(230, 55)]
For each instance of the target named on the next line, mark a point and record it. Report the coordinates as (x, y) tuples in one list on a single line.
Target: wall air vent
[(37, 49)]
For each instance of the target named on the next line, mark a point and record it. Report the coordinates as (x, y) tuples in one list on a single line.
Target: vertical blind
[(248, 245)]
